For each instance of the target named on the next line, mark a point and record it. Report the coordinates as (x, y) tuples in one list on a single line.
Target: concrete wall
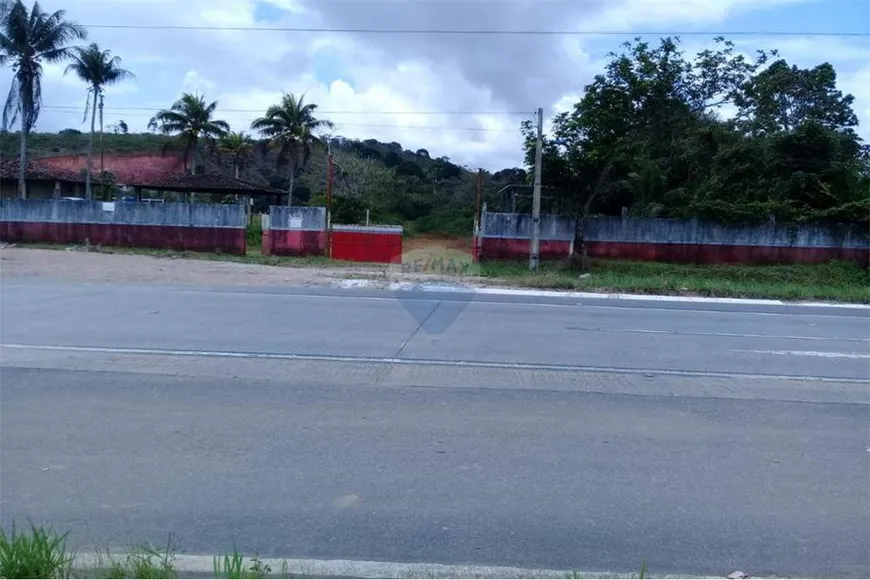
[(198, 227), (379, 244), (301, 231), (507, 236), (294, 231)]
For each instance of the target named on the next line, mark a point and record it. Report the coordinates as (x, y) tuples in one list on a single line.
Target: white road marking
[(717, 334), (499, 291), (425, 362), (809, 353), (186, 565)]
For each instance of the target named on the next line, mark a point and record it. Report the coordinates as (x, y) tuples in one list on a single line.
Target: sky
[(408, 87)]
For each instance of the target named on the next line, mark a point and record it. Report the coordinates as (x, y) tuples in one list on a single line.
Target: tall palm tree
[(291, 126), (29, 38), (99, 69), (238, 146), (191, 117)]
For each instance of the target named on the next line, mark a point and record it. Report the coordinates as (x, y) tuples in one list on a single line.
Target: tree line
[(646, 139)]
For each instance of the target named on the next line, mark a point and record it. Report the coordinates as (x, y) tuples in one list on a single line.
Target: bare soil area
[(82, 266)]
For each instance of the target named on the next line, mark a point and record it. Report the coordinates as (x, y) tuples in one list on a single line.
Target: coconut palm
[(238, 146), (29, 38), (291, 126), (191, 117), (99, 69)]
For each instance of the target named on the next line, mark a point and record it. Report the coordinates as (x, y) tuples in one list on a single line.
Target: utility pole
[(535, 257), (479, 192), (329, 197)]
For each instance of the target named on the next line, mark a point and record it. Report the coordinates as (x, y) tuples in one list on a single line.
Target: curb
[(358, 283), (193, 565)]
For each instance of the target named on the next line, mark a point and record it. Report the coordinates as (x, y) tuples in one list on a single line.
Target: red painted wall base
[(518, 249), (197, 239), (512, 249), (366, 247), (293, 243)]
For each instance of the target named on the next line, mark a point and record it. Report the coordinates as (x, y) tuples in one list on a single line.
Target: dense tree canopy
[(649, 135)]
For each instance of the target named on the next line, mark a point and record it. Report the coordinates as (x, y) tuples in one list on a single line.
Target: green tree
[(29, 38), (192, 118), (98, 69), (781, 98), (291, 126), (238, 146)]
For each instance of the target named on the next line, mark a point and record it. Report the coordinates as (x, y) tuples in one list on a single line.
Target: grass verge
[(838, 281), (42, 553), (38, 553)]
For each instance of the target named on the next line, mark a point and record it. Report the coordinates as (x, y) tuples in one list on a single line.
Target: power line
[(473, 32), (319, 111), (343, 125)]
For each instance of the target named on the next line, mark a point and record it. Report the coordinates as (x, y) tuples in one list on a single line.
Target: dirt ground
[(79, 265), (82, 266)]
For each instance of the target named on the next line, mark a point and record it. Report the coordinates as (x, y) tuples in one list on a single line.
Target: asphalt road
[(701, 438)]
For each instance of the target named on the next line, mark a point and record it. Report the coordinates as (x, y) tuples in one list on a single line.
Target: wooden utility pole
[(535, 256), (479, 193)]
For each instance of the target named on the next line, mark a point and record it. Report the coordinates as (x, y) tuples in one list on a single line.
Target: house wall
[(197, 227), (508, 236), (40, 189)]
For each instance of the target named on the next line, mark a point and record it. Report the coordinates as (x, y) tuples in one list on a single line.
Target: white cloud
[(246, 71)]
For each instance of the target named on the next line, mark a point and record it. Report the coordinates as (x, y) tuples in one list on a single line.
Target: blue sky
[(399, 88)]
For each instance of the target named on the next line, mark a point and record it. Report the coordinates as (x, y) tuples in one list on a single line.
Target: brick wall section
[(507, 236), (177, 226)]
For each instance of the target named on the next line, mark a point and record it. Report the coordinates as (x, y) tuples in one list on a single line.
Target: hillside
[(396, 185)]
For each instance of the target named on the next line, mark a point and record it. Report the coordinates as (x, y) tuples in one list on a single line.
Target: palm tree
[(191, 117), (291, 125), (98, 68), (238, 145), (29, 38)]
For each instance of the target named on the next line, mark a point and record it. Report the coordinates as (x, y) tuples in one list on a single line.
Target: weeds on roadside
[(39, 553), (145, 562), (233, 566)]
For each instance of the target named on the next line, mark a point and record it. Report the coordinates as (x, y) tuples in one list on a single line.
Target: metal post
[(534, 258)]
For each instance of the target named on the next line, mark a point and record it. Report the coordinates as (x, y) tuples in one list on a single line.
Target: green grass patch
[(37, 553), (144, 562), (235, 566), (840, 281)]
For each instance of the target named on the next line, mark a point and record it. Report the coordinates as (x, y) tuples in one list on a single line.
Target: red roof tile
[(38, 171), (209, 182)]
